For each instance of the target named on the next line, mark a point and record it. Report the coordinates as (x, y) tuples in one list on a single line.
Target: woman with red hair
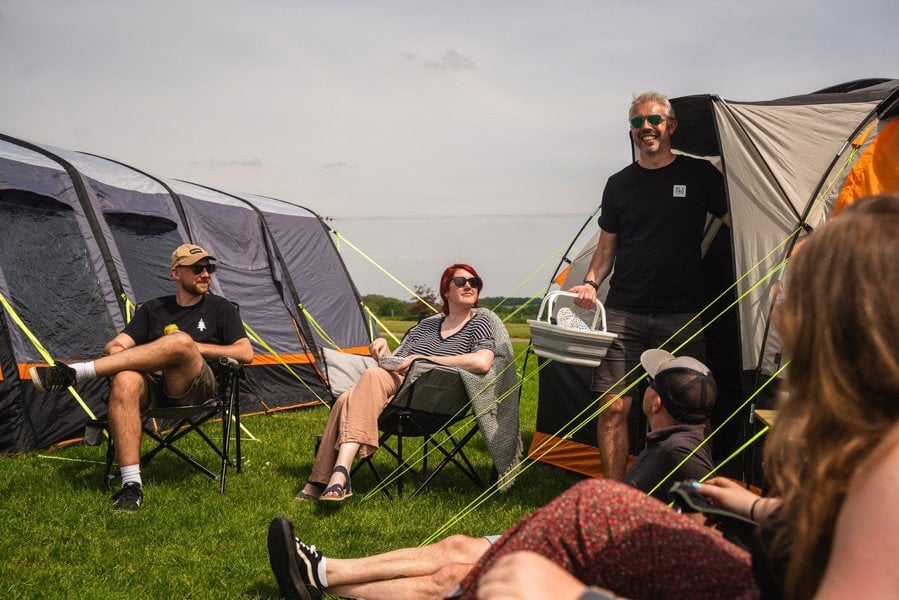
[(457, 337)]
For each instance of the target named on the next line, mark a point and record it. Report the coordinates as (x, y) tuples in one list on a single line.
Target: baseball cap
[(685, 385), (189, 254)]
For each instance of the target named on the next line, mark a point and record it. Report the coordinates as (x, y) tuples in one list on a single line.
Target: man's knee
[(614, 410), (126, 386), (462, 548), (178, 345)]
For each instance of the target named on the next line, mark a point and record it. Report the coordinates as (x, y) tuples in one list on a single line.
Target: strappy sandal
[(301, 495), (345, 490)]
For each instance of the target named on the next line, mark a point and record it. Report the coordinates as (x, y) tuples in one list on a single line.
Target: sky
[(427, 132)]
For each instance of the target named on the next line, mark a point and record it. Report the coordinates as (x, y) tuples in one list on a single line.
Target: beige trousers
[(354, 418)]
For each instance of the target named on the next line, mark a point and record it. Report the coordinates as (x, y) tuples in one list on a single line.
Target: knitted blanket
[(495, 396)]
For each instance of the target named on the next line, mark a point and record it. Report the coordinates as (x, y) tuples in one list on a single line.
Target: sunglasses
[(197, 269), (653, 120), (460, 282)]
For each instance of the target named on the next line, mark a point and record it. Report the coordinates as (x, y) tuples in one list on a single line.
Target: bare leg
[(612, 436), (176, 355), (436, 586), (127, 396), (429, 571)]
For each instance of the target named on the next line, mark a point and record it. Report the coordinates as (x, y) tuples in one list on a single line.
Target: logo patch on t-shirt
[(679, 191)]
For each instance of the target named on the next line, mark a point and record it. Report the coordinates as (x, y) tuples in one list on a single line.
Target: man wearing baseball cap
[(159, 359), (680, 395)]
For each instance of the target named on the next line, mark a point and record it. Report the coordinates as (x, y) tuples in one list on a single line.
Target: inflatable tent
[(787, 163), (86, 238)]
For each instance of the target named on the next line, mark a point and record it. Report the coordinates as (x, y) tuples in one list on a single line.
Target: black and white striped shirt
[(425, 338)]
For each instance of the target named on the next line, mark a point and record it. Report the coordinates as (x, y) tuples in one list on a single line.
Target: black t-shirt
[(659, 216), (212, 320)]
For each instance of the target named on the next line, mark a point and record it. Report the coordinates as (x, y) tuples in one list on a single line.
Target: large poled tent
[(85, 239), (787, 163)]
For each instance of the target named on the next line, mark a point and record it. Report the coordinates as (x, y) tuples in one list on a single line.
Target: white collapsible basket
[(571, 345)]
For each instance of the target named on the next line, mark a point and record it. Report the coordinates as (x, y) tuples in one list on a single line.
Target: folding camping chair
[(187, 419), (430, 401)]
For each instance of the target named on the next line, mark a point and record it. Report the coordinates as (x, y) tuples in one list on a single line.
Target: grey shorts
[(201, 390), (637, 333)]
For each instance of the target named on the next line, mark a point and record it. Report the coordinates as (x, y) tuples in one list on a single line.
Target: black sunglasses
[(474, 282), (653, 120), (197, 269)]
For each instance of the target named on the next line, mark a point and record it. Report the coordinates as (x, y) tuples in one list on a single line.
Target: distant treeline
[(394, 308)]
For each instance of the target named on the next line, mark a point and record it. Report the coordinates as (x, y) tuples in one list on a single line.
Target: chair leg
[(168, 441), (399, 451), (110, 457), (450, 456)]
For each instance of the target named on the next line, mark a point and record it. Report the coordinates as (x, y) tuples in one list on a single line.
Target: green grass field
[(187, 541)]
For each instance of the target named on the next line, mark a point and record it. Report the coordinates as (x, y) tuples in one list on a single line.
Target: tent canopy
[(87, 238), (785, 162)]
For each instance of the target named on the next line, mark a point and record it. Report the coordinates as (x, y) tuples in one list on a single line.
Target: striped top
[(425, 338)]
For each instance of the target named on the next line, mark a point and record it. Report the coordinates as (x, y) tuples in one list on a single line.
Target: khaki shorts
[(201, 390)]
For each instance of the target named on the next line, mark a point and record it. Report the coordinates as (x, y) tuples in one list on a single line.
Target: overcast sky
[(430, 131)]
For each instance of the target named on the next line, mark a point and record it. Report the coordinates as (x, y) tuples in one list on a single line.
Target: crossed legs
[(431, 571), (175, 355)]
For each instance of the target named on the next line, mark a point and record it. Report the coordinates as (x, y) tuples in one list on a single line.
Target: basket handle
[(550, 299)]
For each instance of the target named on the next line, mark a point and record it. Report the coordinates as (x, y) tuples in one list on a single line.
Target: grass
[(187, 541)]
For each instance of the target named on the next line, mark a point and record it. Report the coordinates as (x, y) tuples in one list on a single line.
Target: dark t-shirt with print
[(659, 216), (212, 320)]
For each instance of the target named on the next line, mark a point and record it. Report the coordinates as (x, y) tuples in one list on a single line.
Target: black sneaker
[(52, 379), (128, 498), (289, 563)]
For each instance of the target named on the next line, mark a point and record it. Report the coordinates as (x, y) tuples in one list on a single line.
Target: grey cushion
[(344, 370)]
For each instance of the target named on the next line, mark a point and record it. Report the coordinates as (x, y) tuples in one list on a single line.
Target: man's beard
[(196, 288)]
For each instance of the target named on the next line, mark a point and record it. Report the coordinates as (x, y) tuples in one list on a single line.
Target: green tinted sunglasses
[(653, 120)]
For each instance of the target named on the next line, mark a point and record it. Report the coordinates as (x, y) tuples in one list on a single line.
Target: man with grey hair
[(651, 225)]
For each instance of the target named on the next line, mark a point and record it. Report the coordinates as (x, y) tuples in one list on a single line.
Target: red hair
[(446, 281)]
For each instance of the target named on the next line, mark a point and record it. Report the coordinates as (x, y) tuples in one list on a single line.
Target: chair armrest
[(227, 361)]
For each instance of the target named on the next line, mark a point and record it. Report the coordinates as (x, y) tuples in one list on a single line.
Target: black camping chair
[(431, 400), (188, 419)]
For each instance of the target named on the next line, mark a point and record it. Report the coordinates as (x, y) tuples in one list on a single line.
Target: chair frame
[(402, 418), (187, 419)]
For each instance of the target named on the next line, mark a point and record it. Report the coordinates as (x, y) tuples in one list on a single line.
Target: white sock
[(84, 371), (322, 575), (131, 474)]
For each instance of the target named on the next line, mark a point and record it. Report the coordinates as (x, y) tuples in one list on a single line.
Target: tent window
[(45, 266), (145, 244)]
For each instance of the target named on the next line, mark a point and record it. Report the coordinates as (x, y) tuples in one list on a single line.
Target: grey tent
[(786, 164), (85, 239)]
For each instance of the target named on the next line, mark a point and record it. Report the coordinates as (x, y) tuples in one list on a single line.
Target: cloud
[(339, 165), (450, 61)]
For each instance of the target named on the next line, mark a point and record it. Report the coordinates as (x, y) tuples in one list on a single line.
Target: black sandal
[(301, 495), (345, 490)]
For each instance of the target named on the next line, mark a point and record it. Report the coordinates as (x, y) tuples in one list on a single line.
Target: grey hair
[(656, 97)]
